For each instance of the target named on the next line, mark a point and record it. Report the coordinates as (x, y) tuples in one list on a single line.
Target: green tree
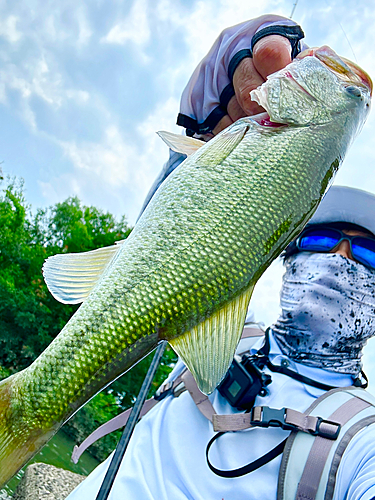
[(30, 317), (73, 227)]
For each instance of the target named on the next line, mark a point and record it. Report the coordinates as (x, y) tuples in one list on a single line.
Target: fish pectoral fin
[(180, 143), (208, 349), (71, 277)]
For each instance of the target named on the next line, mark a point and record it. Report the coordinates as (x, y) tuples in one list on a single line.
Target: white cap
[(345, 204)]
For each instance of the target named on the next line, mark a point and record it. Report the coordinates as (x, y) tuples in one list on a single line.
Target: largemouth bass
[(187, 271)]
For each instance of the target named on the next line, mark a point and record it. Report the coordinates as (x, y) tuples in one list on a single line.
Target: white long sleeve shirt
[(166, 454)]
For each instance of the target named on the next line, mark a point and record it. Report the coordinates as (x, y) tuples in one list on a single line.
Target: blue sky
[(84, 86)]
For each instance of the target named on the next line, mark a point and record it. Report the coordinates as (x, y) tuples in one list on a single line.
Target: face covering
[(328, 311)]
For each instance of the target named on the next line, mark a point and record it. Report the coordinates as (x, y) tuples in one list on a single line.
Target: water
[(57, 452)]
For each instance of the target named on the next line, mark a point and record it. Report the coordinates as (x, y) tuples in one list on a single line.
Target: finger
[(222, 124), (271, 54), (245, 79), (234, 109)]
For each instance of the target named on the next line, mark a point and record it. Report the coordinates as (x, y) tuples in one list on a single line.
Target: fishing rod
[(130, 424), (294, 8)]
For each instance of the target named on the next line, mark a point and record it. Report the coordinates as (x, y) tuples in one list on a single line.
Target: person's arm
[(218, 92), (355, 479)]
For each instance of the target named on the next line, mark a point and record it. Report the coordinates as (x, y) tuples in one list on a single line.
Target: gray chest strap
[(318, 440)]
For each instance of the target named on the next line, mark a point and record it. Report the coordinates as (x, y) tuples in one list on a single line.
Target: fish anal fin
[(208, 349), (71, 277)]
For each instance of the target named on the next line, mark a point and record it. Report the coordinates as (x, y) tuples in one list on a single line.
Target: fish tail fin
[(20, 438)]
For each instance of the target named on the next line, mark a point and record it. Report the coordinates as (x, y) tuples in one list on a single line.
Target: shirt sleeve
[(175, 159), (356, 473), (205, 98)]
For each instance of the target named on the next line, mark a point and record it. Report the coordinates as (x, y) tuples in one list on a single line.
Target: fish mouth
[(264, 120), (346, 70), (348, 73)]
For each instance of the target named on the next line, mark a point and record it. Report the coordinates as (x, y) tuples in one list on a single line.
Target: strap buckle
[(174, 388), (332, 430), (263, 416)]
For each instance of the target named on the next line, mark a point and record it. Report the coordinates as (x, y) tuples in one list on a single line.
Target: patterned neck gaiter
[(328, 311)]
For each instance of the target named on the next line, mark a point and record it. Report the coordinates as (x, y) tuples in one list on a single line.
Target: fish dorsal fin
[(71, 277), (208, 349), (225, 142), (222, 145), (180, 143)]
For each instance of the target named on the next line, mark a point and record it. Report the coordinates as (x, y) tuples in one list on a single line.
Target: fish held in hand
[(187, 271)]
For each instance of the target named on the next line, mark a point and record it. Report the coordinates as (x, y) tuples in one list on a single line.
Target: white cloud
[(2, 93), (84, 30), (119, 160), (134, 28), (51, 30), (29, 115), (265, 299), (110, 161), (154, 151), (80, 96), (202, 24), (8, 29), (34, 77)]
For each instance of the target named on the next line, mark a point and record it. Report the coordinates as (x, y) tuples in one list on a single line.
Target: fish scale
[(187, 270)]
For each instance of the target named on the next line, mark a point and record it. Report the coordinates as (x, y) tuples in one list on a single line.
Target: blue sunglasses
[(325, 240)]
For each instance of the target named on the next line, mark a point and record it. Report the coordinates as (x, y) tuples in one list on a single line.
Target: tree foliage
[(30, 317)]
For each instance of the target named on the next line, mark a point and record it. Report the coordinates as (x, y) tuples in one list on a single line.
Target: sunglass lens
[(363, 250), (319, 240)]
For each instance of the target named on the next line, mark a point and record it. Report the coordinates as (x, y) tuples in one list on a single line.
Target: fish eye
[(353, 91)]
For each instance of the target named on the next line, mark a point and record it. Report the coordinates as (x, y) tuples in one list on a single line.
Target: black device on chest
[(243, 382)]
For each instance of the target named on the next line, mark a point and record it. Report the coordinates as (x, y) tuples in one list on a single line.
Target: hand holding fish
[(270, 54), (241, 59)]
